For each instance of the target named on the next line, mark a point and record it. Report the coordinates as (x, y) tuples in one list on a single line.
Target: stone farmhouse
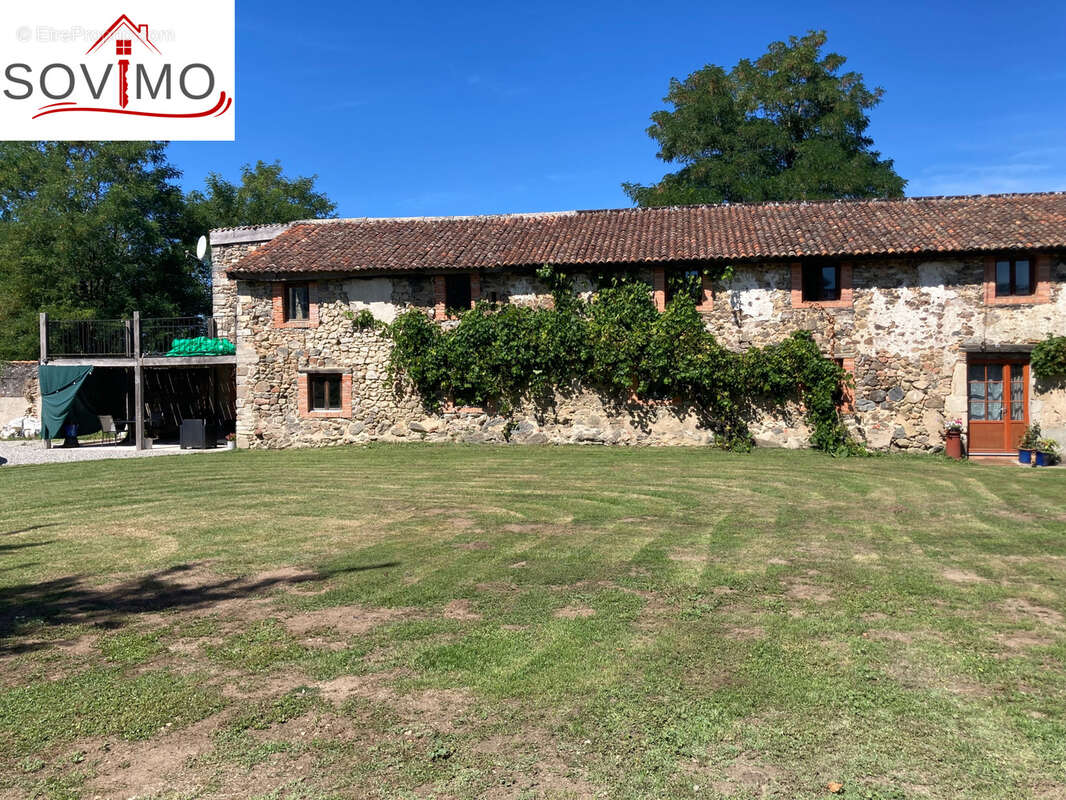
[(933, 304)]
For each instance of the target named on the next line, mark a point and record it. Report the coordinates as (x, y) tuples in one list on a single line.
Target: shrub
[(1048, 360)]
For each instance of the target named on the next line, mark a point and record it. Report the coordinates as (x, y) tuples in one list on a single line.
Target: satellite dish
[(201, 247)]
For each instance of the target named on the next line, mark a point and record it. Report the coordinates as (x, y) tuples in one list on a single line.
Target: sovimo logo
[(167, 77)]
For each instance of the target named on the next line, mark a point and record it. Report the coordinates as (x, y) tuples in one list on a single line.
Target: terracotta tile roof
[(634, 235)]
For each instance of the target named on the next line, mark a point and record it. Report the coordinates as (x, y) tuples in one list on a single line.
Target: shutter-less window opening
[(680, 280), (821, 282), (1014, 277), (297, 302), (325, 392), (457, 295)]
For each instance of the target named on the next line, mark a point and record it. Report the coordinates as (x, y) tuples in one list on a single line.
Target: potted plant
[(1047, 452), (953, 439), (231, 441), (1027, 446)]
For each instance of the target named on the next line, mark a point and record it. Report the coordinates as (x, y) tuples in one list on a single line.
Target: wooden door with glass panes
[(998, 401)]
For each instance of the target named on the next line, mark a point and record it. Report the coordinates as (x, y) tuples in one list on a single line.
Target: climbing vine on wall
[(618, 343), (1048, 360)]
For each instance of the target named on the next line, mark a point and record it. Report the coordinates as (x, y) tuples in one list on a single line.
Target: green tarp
[(60, 402), (202, 346)]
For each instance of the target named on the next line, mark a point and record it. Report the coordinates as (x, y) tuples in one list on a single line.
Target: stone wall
[(906, 335), (19, 392), (223, 288)]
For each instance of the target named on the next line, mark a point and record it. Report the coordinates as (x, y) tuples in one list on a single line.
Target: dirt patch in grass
[(544, 771), (575, 612), (1023, 640), (799, 589), (141, 769), (461, 610), (241, 685), (522, 527), (914, 675), (963, 576), (438, 709), (1019, 609), (687, 556), (889, 636), (471, 545), (345, 620), (1050, 791), (746, 774), (461, 523)]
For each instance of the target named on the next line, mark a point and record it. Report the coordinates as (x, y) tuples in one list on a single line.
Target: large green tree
[(91, 229), (787, 126), (264, 195)]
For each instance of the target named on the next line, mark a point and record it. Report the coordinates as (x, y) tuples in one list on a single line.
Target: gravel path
[(14, 453)]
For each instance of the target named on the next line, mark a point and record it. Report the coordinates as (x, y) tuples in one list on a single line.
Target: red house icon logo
[(124, 33)]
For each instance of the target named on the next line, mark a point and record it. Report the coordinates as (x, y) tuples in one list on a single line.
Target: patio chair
[(108, 429)]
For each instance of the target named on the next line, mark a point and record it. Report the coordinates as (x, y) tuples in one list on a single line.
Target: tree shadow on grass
[(70, 600), (7, 548), (31, 528)]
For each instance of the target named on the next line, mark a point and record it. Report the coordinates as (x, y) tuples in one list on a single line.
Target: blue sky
[(407, 109)]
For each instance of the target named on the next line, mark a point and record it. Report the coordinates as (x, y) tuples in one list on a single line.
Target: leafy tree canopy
[(99, 229), (788, 126), (265, 195), (91, 229)]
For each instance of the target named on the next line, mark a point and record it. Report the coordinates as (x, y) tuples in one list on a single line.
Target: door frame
[(1011, 361)]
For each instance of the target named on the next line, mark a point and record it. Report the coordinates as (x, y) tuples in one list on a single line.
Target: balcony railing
[(158, 334), (118, 338), (90, 337)]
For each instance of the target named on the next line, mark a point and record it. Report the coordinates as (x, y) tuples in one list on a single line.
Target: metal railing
[(158, 334), (90, 337), (117, 338)]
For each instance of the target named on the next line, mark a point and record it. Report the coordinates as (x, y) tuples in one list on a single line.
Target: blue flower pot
[(1025, 456), (1042, 459)]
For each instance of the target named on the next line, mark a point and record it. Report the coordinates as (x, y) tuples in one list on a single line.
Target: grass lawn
[(512, 622)]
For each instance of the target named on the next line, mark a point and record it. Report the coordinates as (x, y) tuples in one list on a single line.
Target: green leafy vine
[(616, 342), (1048, 360)]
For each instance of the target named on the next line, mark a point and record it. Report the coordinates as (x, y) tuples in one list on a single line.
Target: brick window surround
[(845, 300), (303, 394), (278, 307), (440, 294), (1041, 292), (658, 285)]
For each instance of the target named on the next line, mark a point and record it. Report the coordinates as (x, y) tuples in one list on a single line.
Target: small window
[(325, 392), (123, 47), (1014, 277), (297, 302), (684, 281), (821, 282), (457, 292)]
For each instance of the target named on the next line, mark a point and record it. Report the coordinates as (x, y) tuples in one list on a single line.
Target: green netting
[(202, 346)]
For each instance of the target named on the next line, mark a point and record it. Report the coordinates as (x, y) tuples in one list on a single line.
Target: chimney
[(143, 30)]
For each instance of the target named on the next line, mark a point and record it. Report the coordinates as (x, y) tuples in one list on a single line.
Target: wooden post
[(44, 360), (138, 382), (44, 338)]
